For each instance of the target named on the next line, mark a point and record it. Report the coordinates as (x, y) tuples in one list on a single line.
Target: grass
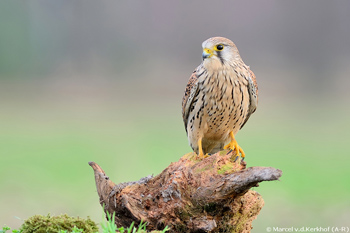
[(110, 227), (45, 150)]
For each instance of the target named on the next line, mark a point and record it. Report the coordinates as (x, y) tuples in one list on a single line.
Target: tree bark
[(191, 195)]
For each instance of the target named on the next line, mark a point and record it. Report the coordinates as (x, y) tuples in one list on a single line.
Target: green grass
[(45, 150)]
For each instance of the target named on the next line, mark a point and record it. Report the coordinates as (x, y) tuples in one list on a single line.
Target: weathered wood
[(191, 195)]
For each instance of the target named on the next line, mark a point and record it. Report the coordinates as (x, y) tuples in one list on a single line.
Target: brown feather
[(252, 76), (187, 99), (253, 92)]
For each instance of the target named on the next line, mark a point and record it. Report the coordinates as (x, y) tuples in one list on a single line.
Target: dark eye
[(220, 47)]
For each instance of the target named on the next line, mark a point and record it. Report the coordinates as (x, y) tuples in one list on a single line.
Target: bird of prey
[(219, 98)]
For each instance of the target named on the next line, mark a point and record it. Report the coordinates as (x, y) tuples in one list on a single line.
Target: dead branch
[(191, 195)]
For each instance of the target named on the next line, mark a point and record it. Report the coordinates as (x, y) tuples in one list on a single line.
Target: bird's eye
[(220, 47)]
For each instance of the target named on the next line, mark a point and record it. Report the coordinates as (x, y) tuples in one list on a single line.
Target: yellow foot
[(233, 146), (200, 154)]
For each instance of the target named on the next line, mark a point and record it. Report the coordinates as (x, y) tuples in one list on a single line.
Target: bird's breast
[(225, 102)]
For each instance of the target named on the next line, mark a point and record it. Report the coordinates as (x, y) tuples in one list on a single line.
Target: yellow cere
[(208, 51)]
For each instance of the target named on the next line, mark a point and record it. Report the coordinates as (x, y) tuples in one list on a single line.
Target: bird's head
[(219, 51)]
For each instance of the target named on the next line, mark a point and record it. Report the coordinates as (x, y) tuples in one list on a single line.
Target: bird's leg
[(233, 145), (200, 149)]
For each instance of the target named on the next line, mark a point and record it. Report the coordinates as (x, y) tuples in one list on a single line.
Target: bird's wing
[(253, 95), (187, 100)]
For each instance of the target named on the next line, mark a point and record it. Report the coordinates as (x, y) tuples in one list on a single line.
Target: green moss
[(210, 207), (225, 168), (43, 224), (181, 228), (231, 223), (240, 221), (189, 155), (223, 152), (184, 215), (203, 169)]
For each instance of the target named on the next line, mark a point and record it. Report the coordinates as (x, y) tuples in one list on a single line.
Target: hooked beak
[(207, 53)]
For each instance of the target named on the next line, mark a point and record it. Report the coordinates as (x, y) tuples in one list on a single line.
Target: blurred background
[(103, 81)]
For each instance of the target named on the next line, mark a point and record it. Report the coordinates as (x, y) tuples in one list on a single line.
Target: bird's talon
[(202, 156), (233, 146)]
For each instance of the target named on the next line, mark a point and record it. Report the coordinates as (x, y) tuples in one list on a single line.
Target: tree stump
[(191, 195)]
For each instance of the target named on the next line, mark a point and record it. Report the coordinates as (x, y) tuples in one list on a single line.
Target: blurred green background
[(103, 81)]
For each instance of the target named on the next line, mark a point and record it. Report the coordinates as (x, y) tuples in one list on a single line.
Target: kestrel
[(220, 96)]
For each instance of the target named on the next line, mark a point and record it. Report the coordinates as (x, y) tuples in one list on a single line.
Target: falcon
[(219, 98)]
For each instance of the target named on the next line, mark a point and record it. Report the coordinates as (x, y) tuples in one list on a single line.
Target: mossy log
[(191, 195)]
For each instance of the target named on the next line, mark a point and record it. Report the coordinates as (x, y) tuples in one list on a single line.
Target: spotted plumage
[(220, 96)]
